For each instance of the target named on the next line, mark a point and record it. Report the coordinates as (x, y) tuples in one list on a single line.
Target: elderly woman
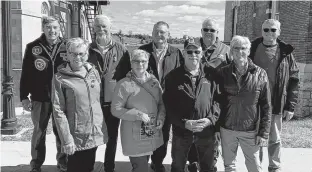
[(138, 102), (76, 107), (245, 89)]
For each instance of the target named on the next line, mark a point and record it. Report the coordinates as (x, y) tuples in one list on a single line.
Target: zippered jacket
[(285, 94), (77, 109), (39, 66)]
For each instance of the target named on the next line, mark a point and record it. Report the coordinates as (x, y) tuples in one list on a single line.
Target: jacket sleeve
[(120, 97), (265, 107), (123, 66), (214, 114), (26, 77), (169, 101), (293, 85), (59, 109)]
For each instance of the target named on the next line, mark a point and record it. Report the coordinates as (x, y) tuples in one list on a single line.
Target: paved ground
[(15, 157)]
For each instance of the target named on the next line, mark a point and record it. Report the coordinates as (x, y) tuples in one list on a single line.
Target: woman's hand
[(143, 117), (69, 149), (159, 124)]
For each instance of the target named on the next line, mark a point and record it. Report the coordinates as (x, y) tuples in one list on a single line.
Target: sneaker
[(35, 170)]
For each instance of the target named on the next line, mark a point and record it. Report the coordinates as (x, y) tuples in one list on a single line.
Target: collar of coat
[(251, 66), (44, 41), (94, 46), (214, 46), (170, 49), (66, 69), (285, 48)]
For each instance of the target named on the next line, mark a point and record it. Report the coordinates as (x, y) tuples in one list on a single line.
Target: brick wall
[(245, 19), (228, 22)]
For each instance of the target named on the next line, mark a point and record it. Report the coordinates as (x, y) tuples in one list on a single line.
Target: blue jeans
[(181, 147)]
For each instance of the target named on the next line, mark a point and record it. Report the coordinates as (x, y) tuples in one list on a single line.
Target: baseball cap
[(191, 42)]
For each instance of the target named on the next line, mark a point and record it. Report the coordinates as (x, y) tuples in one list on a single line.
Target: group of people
[(209, 93)]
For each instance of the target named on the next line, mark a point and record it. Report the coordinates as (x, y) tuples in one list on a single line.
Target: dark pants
[(40, 115), (82, 161), (139, 164), (112, 124), (181, 147), (160, 153)]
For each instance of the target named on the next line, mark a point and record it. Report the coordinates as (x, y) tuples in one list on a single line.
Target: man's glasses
[(267, 30), (191, 52), (139, 61), (78, 54), (209, 30)]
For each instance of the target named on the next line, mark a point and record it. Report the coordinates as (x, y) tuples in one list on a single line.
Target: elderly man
[(105, 54), (164, 58), (194, 115), (276, 58), (245, 92), (41, 59)]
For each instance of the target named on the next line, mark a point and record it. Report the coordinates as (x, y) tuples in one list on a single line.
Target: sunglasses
[(267, 30), (191, 52), (209, 30)]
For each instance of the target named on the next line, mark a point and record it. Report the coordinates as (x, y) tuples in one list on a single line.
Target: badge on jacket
[(40, 64), (36, 50)]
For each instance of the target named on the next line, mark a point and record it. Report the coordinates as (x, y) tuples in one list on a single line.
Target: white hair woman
[(137, 100), (76, 107)]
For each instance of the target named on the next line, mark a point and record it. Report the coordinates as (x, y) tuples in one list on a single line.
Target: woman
[(76, 107), (138, 102)]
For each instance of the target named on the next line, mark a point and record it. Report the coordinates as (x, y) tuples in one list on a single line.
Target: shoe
[(160, 168), (35, 170), (193, 167)]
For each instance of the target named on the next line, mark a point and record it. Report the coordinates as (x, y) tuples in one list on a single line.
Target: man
[(276, 58), (41, 59), (245, 92), (164, 58), (105, 53), (189, 101)]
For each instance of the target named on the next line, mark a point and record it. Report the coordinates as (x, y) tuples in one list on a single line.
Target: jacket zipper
[(90, 106)]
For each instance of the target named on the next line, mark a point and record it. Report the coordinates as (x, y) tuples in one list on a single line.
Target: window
[(45, 9)]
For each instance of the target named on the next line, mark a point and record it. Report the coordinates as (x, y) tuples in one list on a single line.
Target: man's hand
[(217, 136), (289, 115), (159, 124), (261, 141), (204, 122), (194, 126), (69, 149), (26, 104), (143, 117)]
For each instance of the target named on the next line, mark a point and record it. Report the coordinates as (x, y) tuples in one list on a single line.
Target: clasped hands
[(197, 125), (146, 119)]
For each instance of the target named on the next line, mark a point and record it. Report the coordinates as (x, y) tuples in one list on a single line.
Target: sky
[(183, 17)]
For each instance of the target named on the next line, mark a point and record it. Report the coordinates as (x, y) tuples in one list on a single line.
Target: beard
[(103, 39)]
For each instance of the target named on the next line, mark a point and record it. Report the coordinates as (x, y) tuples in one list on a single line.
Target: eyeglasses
[(240, 48), (139, 61), (78, 54), (209, 30), (267, 30), (191, 52)]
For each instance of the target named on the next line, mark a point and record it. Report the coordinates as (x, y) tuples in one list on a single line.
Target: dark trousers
[(160, 153), (139, 164), (181, 147), (112, 124), (82, 161), (40, 115)]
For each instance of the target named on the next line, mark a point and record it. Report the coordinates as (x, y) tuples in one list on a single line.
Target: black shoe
[(158, 168)]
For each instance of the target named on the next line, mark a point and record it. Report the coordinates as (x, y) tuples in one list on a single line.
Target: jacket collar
[(170, 49), (66, 69), (214, 46), (285, 48), (251, 66), (44, 41), (94, 46)]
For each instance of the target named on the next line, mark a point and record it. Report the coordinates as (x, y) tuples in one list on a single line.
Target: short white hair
[(240, 40), (76, 43), (272, 22), (138, 53), (210, 20), (102, 18)]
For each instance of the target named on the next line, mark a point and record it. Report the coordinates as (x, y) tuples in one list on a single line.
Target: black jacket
[(285, 94), (172, 59), (39, 66), (184, 103), (240, 105)]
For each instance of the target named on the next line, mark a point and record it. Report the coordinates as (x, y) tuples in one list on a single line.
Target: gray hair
[(102, 18), (49, 19), (76, 43), (272, 22), (210, 20), (240, 40), (159, 23), (138, 53)]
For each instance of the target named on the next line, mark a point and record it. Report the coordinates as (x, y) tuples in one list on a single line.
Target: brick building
[(246, 18)]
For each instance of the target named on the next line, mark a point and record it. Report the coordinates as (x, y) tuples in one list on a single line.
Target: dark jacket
[(39, 66), (285, 94), (110, 67), (240, 105), (172, 59), (183, 103), (76, 108)]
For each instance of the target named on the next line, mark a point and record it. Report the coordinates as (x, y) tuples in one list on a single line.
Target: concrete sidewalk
[(15, 157)]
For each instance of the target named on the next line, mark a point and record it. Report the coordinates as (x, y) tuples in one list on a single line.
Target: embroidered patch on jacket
[(92, 83), (40, 64), (36, 50)]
